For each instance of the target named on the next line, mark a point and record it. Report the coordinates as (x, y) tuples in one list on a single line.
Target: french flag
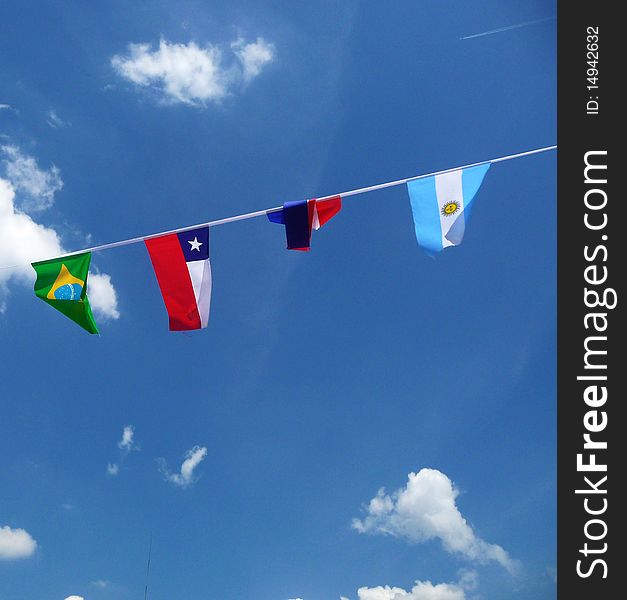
[(181, 264), (302, 216)]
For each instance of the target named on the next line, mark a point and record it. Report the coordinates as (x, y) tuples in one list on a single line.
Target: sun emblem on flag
[(450, 208)]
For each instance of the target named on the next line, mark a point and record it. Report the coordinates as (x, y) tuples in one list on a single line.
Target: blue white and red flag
[(181, 263), (302, 216)]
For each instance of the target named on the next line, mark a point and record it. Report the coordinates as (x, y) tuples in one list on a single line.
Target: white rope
[(380, 186), (260, 213)]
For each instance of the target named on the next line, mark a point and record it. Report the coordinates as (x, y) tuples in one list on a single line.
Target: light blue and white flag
[(441, 206)]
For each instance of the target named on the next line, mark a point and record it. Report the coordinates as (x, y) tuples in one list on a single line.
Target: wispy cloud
[(38, 185), (253, 56), (16, 543), (55, 121), (191, 74), (193, 457), (23, 240), (126, 443), (426, 509), (507, 28)]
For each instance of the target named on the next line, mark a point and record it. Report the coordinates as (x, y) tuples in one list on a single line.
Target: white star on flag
[(195, 244)]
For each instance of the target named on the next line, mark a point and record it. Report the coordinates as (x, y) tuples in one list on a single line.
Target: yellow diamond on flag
[(66, 286)]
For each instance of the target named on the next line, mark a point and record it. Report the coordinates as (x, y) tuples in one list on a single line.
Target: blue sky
[(322, 377)]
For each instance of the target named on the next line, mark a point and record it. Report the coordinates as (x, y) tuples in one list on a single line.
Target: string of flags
[(441, 205)]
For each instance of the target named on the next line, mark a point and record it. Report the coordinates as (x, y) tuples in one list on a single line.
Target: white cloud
[(126, 443), (424, 590), (7, 106), (191, 74), (100, 583), (193, 457), (253, 56), (424, 510), (23, 240), (55, 121), (75, 598), (16, 543), (103, 297), (468, 579), (38, 186)]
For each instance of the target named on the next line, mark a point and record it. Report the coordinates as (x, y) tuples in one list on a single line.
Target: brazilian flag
[(62, 283)]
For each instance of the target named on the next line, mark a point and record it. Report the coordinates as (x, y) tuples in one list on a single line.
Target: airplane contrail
[(500, 29)]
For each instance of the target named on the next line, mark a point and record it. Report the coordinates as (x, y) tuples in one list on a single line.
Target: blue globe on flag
[(68, 291)]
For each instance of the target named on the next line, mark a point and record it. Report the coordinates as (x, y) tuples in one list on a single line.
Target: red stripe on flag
[(311, 207), (327, 209), (174, 281)]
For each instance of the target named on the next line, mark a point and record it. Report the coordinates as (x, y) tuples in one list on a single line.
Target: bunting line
[(260, 213)]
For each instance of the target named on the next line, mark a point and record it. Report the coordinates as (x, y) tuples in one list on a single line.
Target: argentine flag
[(441, 206)]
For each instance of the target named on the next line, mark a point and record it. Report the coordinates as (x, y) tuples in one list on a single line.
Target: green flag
[(62, 283)]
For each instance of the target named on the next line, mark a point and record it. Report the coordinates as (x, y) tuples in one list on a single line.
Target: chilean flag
[(181, 263), (302, 216)]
